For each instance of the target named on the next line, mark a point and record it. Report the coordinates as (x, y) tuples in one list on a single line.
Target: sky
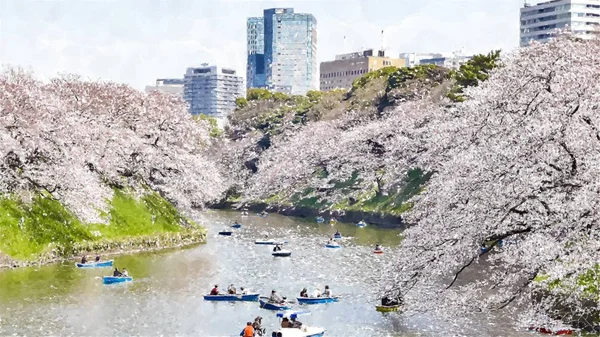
[(138, 41)]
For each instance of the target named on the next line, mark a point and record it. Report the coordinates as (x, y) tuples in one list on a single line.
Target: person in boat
[(97, 258), (248, 330), (276, 248), (317, 293), (244, 291), (257, 325), (215, 290), (330, 242), (337, 233), (124, 273), (327, 292), (378, 247), (84, 259), (304, 293), (285, 323), (295, 323), (117, 273), (231, 289), (275, 298), (386, 301)]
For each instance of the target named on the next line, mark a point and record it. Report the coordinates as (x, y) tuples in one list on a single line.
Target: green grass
[(129, 216), (28, 230)]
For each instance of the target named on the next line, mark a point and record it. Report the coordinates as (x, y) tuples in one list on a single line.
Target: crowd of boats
[(290, 326)]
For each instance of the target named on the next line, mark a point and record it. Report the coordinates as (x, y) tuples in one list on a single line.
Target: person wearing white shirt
[(244, 291), (317, 293), (124, 273), (327, 292)]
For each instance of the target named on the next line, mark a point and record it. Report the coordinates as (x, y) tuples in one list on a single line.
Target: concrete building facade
[(453, 62), (341, 72), (287, 60), (539, 22), (168, 86), (412, 59), (212, 90)]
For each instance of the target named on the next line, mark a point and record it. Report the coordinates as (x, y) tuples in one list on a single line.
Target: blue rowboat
[(333, 246), (361, 224), (232, 298), (320, 219), (269, 242), (112, 279), (225, 233), (102, 264), (272, 306), (316, 300), (237, 225)]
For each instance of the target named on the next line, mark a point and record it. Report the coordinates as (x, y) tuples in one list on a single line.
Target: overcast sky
[(137, 41)]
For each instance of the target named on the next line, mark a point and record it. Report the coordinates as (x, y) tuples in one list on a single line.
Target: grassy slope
[(28, 230)]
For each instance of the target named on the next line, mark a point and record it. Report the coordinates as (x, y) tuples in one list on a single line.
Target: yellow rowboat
[(385, 308)]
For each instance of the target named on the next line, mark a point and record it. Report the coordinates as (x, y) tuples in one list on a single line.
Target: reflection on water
[(166, 295)]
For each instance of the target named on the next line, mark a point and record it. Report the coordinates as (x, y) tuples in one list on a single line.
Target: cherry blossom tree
[(76, 139), (517, 169), (326, 152)]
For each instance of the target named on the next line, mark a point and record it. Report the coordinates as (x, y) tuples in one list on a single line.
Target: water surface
[(165, 298)]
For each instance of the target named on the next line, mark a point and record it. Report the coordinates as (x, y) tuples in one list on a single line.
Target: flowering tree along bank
[(72, 143), (76, 139), (519, 161)]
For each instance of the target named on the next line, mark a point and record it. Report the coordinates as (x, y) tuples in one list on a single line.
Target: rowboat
[(320, 219), (271, 306), (378, 251), (304, 331), (333, 245), (550, 332), (316, 300), (102, 264), (282, 252), (116, 279), (236, 225), (232, 298), (225, 233), (387, 308), (361, 224), (269, 242)]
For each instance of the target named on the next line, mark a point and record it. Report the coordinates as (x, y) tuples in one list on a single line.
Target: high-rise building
[(167, 86), (539, 22), (340, 73), (212, 90), (282, 51), (255, 66)]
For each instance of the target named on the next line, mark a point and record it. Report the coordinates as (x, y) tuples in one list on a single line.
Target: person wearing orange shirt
[(248, 330)]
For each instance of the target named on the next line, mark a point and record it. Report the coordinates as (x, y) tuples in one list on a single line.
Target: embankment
[(42, 230)]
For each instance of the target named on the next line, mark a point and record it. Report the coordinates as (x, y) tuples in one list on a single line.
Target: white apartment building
[(212, 90), (167, 86), (540, 20), (412, 59)]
